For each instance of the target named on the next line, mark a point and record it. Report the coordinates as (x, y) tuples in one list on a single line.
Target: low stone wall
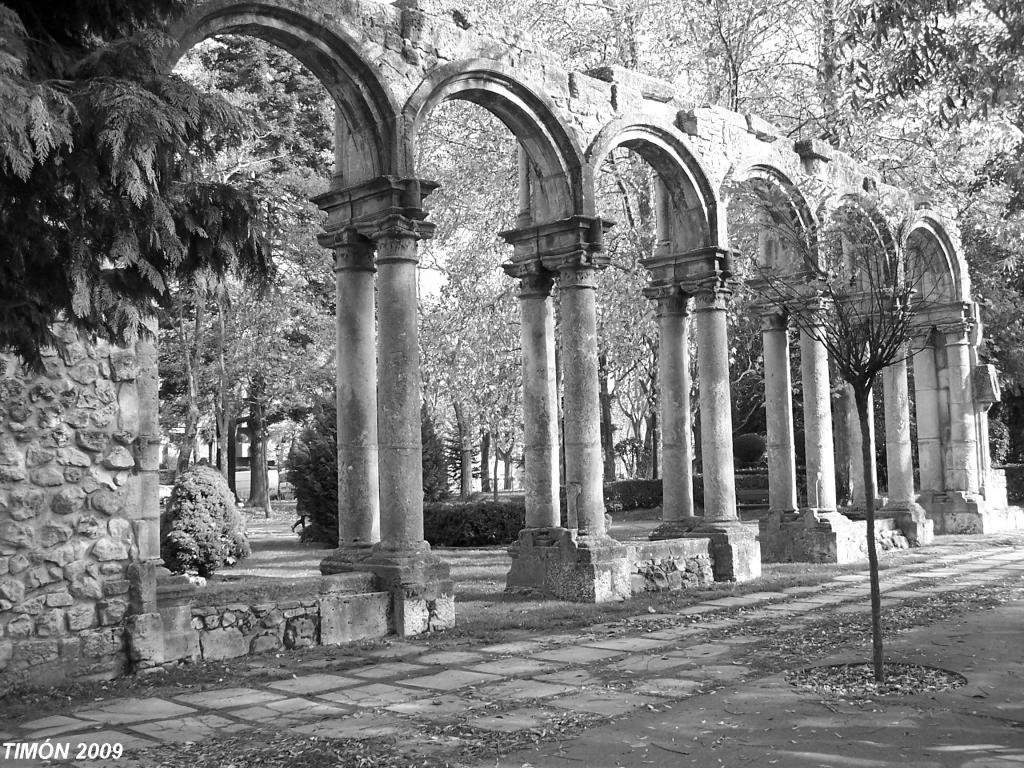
[(669, 565), (334, 615)]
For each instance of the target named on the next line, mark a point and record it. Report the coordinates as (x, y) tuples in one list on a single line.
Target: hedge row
[(473, 523)]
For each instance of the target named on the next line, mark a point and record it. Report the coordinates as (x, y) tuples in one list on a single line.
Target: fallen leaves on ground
[(857, 681)]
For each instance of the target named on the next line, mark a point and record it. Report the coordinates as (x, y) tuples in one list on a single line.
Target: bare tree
[(850, 283)]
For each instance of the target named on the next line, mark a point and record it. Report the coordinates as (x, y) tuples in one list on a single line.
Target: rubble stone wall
[(69, 511)]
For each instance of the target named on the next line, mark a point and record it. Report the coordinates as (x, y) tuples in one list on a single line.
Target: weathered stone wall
[(69, 491), (670, 566)]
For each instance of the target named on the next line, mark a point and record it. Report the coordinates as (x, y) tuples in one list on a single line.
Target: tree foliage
[(102, 195)]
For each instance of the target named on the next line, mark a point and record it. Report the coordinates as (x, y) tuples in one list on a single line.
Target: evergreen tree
[(435, 469), (103, 204)]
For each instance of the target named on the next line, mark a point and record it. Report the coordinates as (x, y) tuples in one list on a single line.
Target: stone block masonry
[(69, 508)]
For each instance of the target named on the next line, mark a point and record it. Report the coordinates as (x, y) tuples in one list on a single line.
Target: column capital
[(557, 244), (774, 320), (352, 252), (535, 281), (669, 300), (958, 329), (710, 295), (370, 206), (577, 273)]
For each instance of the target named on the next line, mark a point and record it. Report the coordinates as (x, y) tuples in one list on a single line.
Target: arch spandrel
[(551, 146), (336, 48)]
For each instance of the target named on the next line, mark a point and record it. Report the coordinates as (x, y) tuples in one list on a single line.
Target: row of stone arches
[(387, 67)]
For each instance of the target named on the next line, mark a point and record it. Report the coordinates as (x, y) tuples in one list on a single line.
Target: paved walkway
[(679, 689)]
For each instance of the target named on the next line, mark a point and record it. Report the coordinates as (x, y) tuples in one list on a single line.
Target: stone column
[(820, 451), (855, 441), (778, 397), (899, 458), (398, 390), (926, 409), (584, 487), (540, 397), (737, 556), (910, 516), (356, 385), (962, 473), (676, 432)]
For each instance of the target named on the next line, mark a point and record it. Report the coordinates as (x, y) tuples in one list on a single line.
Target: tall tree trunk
[(259, 476), (232, 454), (222, 391), (607, 434), (465, 452), (494, 486), (655, 440), (191, 352), (864, 416), (485, 467)]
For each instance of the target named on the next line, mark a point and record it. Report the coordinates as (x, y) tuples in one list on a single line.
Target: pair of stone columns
[(380, 485)]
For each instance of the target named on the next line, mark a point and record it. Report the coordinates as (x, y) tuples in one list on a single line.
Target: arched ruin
[(387, 66)]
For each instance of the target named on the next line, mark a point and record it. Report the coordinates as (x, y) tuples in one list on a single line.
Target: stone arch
[(552, 151), (943, 271), (365, 125), (865, 209), (696, 222), (781, 190)]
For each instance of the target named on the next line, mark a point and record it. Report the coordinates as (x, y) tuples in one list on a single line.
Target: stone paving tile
[(313, 683), (183, 729), (514, 667), (514, 720), (55, 725), (850, 608), (848, 577), (673, 633), (608, 703), (388, 669), (121, 711), (801, 590), (365, 726), (578, 655), (521, 689), (228, 697), (646, 618), (767, 595), (642, 663), (701, 651), (797, 606), (450, 658), (722, 673), (627, 644), (713, 624), (374, 695), (732, 602), (435, 707), (517, 648), (395, 651), (694, 610), (288, 711), (565, 639), (575, 677), (667, 686), (450, 680)]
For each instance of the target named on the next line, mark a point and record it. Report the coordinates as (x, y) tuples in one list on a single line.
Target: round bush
[(201, 530), (748, 449), (313, 473)]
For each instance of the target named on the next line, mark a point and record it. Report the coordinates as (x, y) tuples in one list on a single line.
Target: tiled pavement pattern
[(607, 671)]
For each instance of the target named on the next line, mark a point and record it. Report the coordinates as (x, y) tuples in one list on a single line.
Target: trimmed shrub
[(201, 530), (748, 449), (998, 440), (473, 523)]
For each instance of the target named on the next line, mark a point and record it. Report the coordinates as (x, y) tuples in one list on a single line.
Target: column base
[(558, 563), (955, 512), (735, 550), (421, 589), (675, 529), (912, 521), (349, 557), (813, 535)]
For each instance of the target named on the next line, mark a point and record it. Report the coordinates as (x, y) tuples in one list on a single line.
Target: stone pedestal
[(912, 520), (813, 536), (735, 551), (421, 589), (557, 562)]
